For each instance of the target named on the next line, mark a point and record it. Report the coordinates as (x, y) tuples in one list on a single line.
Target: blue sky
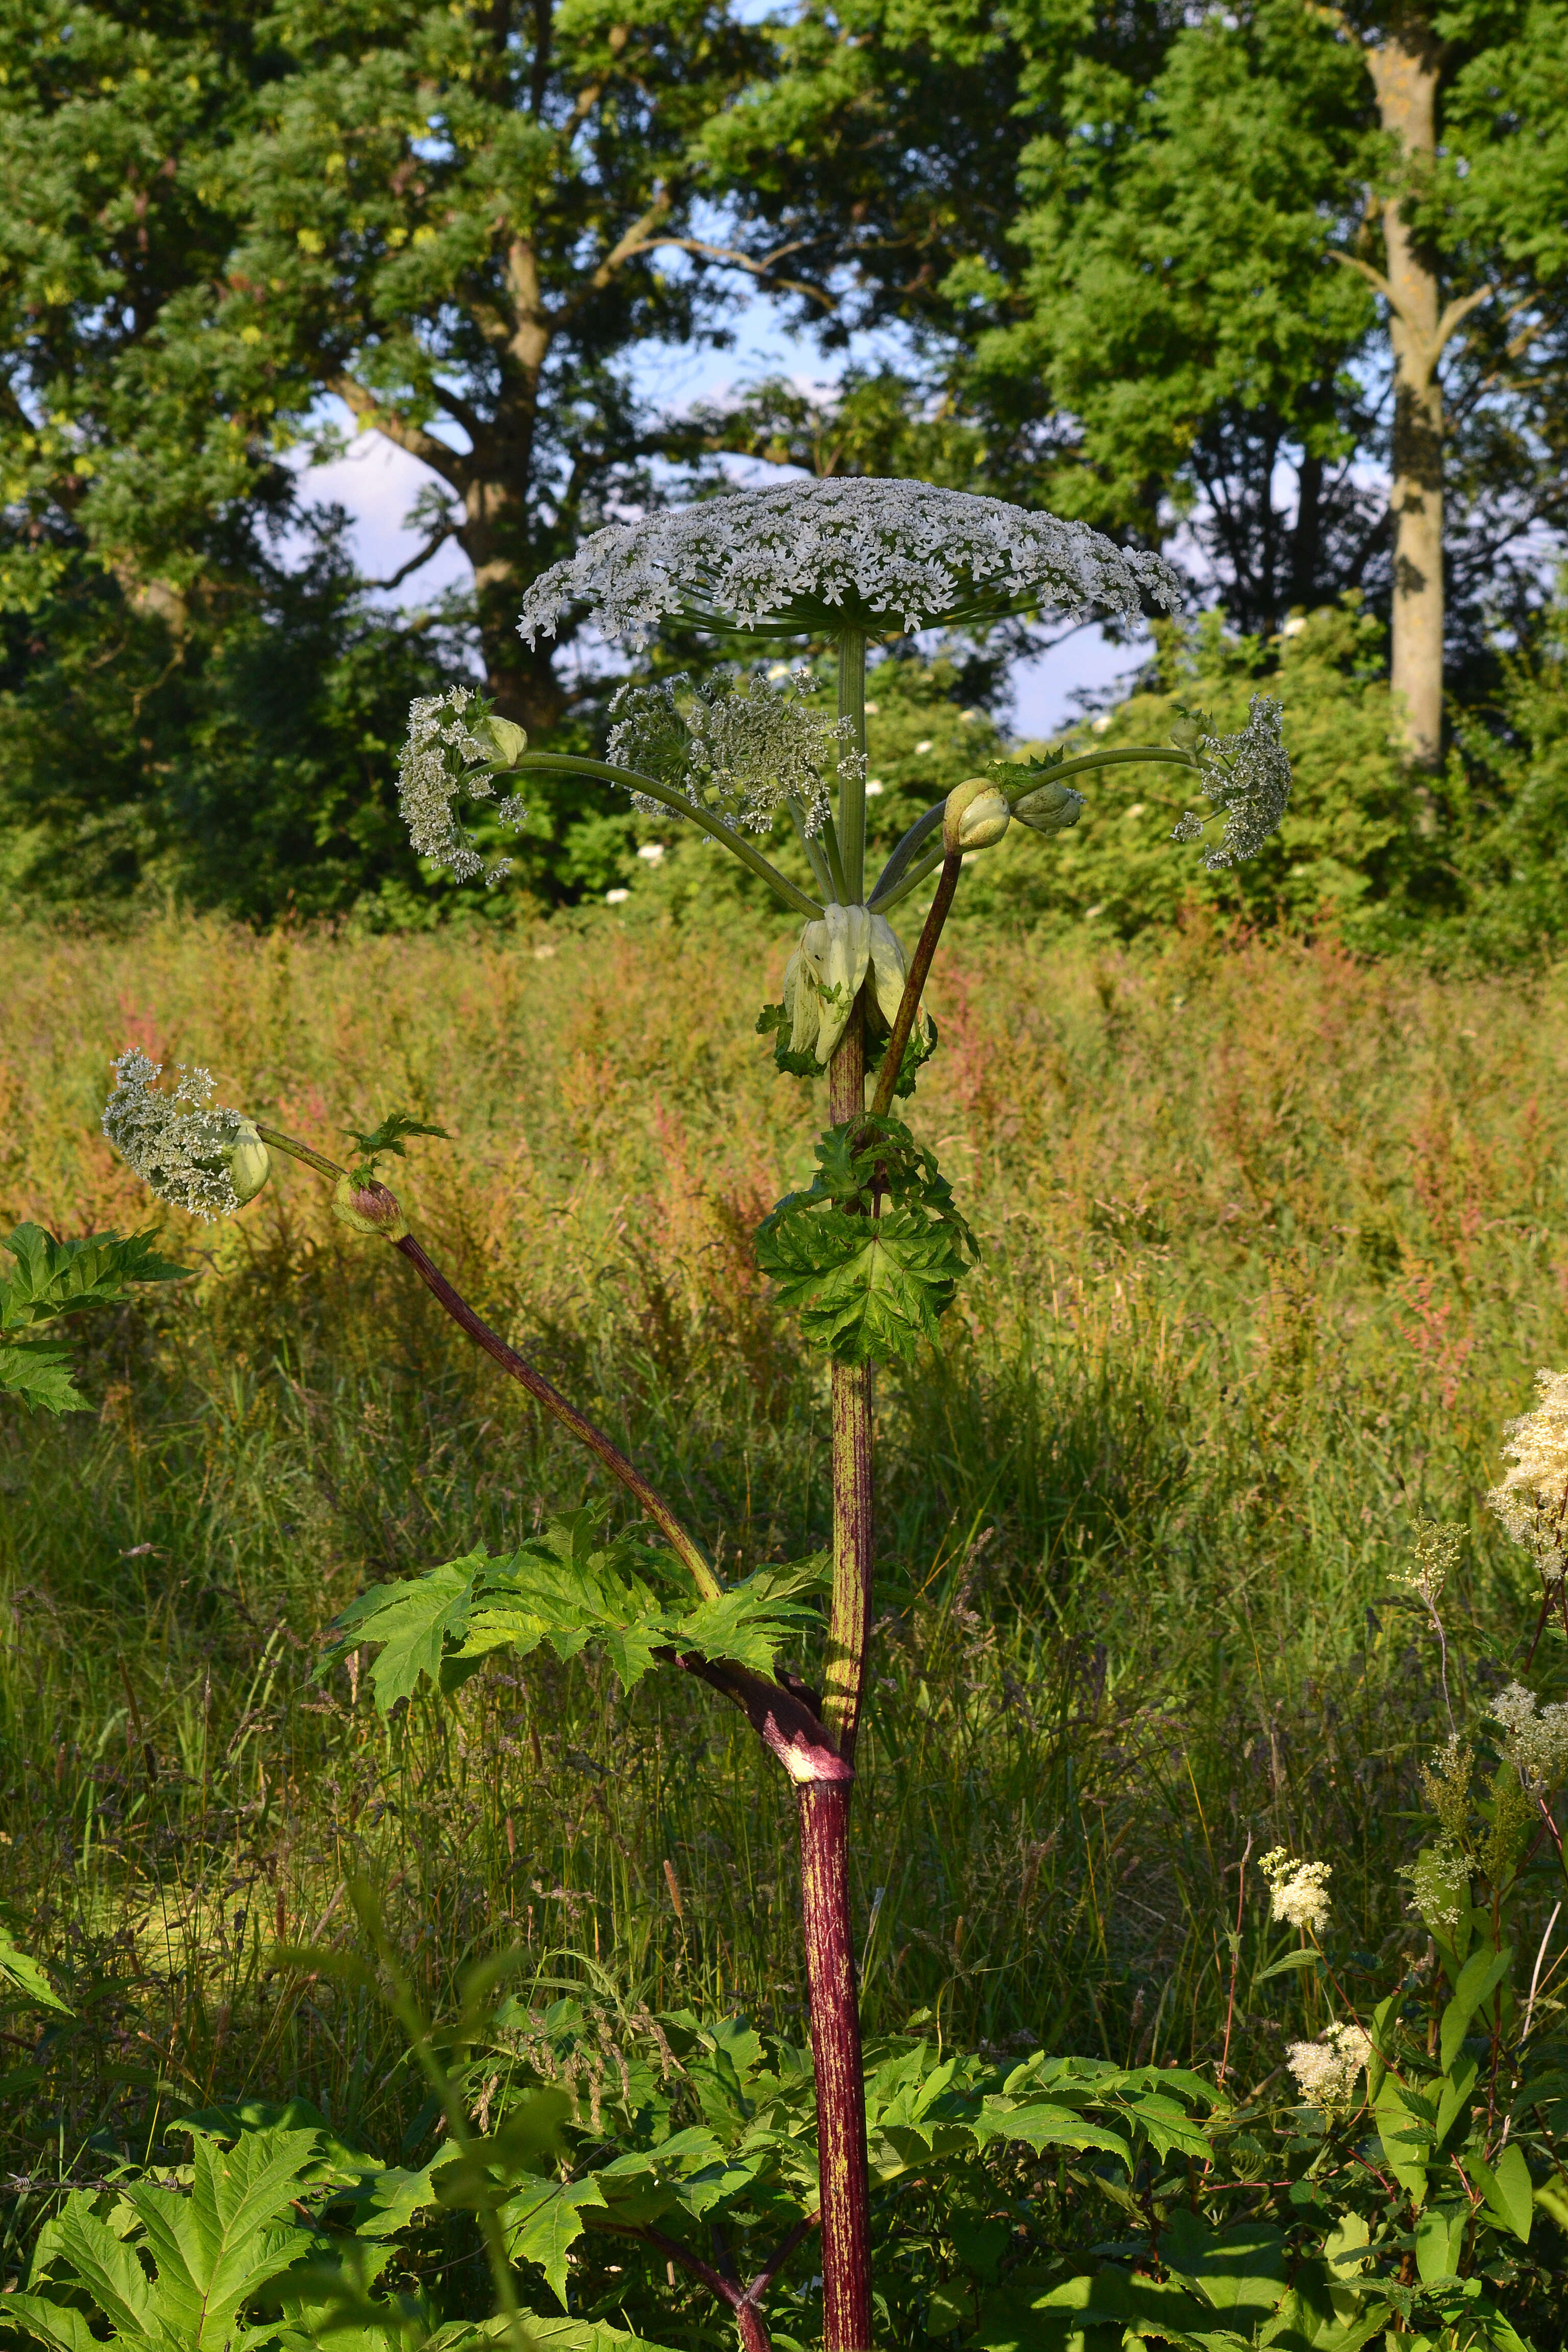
[(377, 485)]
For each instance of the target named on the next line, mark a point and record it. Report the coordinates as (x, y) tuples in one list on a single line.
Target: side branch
[(431, 547), (367, 411), (567, 1414), (914, 983), (781, 1719), (565, 764)]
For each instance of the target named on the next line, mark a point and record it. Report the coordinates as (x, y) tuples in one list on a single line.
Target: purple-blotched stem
[(914, 986), (845, 2185), (824, 1831)]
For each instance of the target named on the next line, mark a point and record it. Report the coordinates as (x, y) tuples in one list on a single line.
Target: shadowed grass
[(1272, 1248)]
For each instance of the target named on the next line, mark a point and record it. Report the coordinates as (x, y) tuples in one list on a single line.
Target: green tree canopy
[(1217, 268), (457, 220)]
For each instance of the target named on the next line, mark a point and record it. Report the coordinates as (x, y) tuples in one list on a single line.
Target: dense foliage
[(464, 225)]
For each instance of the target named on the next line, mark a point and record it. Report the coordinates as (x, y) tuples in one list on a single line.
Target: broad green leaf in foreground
[(863, 1287), (212, 2252), (40, 1375), (568, 1587)]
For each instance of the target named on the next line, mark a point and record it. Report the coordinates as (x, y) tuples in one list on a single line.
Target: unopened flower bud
[(368, 1209), (1186, 731), (509, 741), (1051, 807), (248, 1162), (976, 816)]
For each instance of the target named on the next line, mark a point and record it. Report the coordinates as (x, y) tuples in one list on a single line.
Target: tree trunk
[(1404, 72), (522, 679)]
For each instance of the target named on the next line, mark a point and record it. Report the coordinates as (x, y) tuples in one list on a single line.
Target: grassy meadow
[(1274, 1242)]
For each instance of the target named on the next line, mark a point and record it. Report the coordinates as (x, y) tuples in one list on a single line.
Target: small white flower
[(926, 744), (1534, 1743), (1294, 627), (1436, 1556), (1101, 726), (738, 747), (616, 897), (182, 1143), (1248, 778), (652, 853), (883, 555), (874, 785), (1532, 1500), (1326, 2071), (1298, 1890), (441, 758)]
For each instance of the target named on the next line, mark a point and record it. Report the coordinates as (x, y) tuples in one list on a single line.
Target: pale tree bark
[(1406, 67)]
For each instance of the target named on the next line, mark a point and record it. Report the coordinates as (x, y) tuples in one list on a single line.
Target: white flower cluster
[(448, 739), (740, 747), (1532, 1500), (1535, 1742), (1298, 1890), (824, 974), (1436, 1557), (1247, 779), (1440, 1884), (1326, 2071), (885, 555), (182, 1143)]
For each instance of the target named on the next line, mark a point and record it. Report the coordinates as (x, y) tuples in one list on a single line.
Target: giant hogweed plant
[(869, 1255)]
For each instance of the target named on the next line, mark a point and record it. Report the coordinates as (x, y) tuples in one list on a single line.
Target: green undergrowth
[(1272, 1245)]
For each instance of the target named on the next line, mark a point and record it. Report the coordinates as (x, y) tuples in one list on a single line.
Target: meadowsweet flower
[(827, 969), (1436, 1557), (452, 742), (1298, 1890), (1246, 778), (740, 747), (886, 556), (1440, 1884), (1534, 1740), (1532, 1499), (1326, 2071), (182, 1145)]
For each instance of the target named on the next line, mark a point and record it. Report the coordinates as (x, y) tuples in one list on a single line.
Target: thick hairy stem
[(840, 2082), (914, 983), (852, 773), (555, 1404), (825, 1830), (751, 2329), (849, 1616)]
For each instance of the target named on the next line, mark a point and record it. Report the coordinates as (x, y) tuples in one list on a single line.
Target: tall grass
[(1273, 1246)]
